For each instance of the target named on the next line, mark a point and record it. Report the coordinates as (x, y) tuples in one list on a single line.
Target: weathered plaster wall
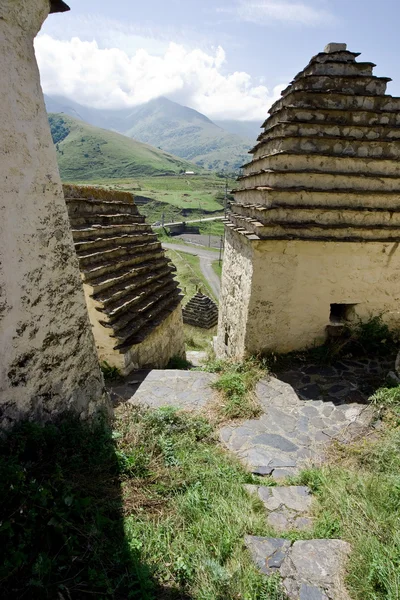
[(236, 283), (48, 361), (164, 342), (293, 284)]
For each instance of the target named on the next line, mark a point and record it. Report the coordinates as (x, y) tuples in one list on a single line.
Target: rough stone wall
[(293, 284), (48, 361), (236, 285)]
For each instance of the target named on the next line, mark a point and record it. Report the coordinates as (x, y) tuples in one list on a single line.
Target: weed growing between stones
[(236, 383), (177, 362), (110, 373), (153, 510), (358, 494)]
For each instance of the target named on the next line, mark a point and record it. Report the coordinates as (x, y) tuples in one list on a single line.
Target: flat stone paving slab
[(292, 431), (189, 390), (288, 507), (311, 570)]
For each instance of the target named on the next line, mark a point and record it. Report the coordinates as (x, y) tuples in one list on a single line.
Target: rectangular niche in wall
[(341, 312)]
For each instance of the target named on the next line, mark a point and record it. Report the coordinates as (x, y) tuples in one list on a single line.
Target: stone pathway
[(302, 412), (188, 390), (291, 431), (288, 507), (310, 569)]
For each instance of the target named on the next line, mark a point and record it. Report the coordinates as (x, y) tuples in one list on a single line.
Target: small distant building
[(201, 311), (189, 172), (133, 300), (312, 240)]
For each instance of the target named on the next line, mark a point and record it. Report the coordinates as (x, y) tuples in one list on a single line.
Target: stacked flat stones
[(200, 311), (326, 165), (122, 264)]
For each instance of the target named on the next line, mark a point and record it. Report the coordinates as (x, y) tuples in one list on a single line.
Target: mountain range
[(169, 126), (87, 153)]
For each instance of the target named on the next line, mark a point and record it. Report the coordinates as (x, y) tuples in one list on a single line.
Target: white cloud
[(263, 12), (112, 78)]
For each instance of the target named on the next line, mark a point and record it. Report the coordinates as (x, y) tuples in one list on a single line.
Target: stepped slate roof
[(123, 266), (326, 165), (200, 311)]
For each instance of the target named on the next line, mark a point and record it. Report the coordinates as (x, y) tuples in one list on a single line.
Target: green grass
[(197, 338), (212, 228), (189, 274), (217, 267), (236, 384), (178, 197), (86, 153), (358, 494), (152, 510)]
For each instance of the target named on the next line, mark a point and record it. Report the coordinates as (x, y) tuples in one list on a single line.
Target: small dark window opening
[(341, 312)]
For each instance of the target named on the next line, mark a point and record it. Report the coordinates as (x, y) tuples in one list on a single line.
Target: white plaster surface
[(276, 295), (48, 361)]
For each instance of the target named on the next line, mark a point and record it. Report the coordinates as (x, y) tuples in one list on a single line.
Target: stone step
[(103, 255), (323, 163), (187, 390), (117, 292), (114, 313), (81, 206), (320, 181), (91, 219), (335, 146), (310, 569), (286, 197), (330, 130), (145, 321), (113, 241), (125, 274), (113, 266), (340, 100), (288, 507), (336, 116), (313, 231), (340, 69), (123, 323), (347, 84), (341, 216), (95, 232)]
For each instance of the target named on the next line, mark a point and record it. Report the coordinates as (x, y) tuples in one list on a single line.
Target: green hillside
[(169, 126), (87, 153)]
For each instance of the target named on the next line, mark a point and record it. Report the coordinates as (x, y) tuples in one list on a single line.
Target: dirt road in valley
[(206, 257)]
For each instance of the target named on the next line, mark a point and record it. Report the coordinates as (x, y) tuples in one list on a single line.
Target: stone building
[(201, 312), (133, 300), (313, 236), (48, 360)]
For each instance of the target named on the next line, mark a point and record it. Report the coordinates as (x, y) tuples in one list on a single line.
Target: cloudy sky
[(229, 59)]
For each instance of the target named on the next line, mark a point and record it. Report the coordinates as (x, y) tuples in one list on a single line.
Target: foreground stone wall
[(48, 361), (286, 306)]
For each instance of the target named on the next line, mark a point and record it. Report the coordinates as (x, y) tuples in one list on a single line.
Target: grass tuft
[(236, 383)]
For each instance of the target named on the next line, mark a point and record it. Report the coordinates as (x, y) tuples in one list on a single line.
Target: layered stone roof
[(326, 165), (123, 266), (200, 311)]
